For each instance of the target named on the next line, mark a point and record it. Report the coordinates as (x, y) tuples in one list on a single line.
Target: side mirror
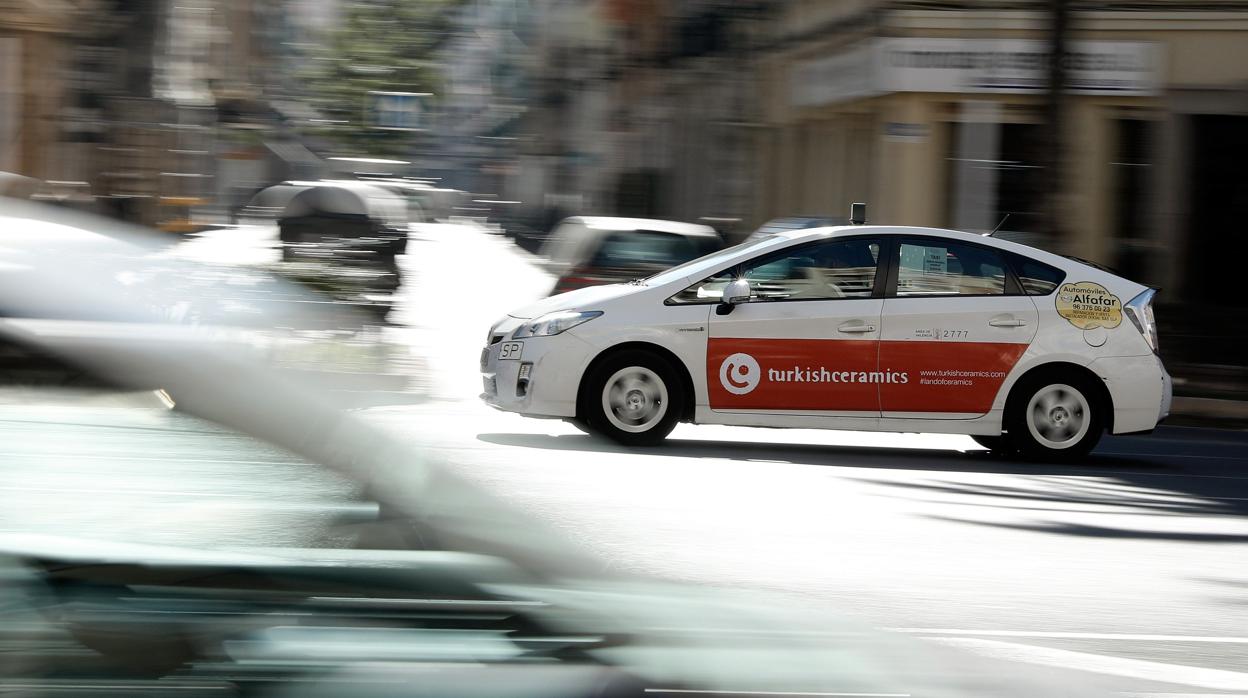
[(737, 291)]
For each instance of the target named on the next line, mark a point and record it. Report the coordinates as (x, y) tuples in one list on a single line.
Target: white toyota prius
[(856, 327)]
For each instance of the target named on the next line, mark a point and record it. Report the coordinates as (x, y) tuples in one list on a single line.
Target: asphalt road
[(1131, 567)]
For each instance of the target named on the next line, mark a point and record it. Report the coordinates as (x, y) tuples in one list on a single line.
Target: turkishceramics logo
[(740, 373)]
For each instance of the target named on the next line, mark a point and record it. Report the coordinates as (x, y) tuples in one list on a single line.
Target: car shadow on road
[(1178, 475), (865, 457)]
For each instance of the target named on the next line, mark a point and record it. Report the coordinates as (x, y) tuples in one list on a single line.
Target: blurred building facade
[(932, 115), (629, 107), (141, 109), (930, 112)]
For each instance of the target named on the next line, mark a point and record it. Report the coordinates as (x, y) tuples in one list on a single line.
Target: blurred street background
[(1116, 132)]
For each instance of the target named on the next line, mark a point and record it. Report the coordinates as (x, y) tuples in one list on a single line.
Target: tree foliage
[(379, 45)]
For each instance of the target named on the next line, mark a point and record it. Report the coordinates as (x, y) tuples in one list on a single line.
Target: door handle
[(1006, 321), (855, 327)]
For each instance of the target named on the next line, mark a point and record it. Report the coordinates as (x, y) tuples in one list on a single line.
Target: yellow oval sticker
[(1089, 305)]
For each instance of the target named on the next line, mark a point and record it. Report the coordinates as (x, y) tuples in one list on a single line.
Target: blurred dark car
[(253, 539), (344, 221), (592, 250), (425, 202), (779, 225), (341, 238)]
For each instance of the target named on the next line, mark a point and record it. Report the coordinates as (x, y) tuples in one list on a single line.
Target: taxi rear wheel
[(633, 398), (1054, 417)]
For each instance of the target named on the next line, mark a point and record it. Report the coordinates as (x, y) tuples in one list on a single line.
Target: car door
[(806, 341), (954, 323)]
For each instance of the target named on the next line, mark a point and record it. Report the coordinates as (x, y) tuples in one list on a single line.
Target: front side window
[(947, 268), (821, 271)]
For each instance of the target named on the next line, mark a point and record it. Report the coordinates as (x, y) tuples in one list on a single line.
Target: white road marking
[(1074, 636), (165, 399), (148, 459), (1214, 679)]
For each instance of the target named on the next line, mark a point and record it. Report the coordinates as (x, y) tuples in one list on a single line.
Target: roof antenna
[(994, 230), (857, 213)]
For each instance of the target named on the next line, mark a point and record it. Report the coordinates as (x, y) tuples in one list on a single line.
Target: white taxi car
[(853, 327)]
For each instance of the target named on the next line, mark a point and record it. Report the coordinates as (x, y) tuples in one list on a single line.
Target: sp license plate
[(510, 351)]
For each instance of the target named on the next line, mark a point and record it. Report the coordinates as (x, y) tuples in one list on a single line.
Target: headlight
[(1140, 310), (554, 323)]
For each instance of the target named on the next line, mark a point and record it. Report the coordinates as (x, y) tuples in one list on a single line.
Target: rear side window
[(933, 267), (1038, 279)]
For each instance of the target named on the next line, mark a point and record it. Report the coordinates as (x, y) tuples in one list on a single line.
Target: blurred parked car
[(590, 251), (780, 225), (338, 237), (350, 221)]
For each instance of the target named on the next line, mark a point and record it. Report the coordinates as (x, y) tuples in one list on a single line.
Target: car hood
[(581, 298)]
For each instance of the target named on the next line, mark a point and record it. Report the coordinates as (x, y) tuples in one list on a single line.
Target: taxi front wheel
[(1054, 417), (633, 398)]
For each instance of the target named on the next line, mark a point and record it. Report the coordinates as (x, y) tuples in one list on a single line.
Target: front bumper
[(555, 366)]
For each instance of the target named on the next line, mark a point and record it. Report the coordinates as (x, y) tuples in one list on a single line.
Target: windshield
[(645, 248), (710, 262)]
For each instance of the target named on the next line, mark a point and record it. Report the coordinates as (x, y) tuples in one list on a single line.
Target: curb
[(1204, 411)]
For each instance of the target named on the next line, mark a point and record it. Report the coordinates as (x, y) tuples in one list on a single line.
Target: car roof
[(614, 223), (578, 237)]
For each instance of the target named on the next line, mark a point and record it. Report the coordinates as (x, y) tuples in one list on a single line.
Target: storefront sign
[(1016, 66), (844, 76), (975, 66), (905, 132)]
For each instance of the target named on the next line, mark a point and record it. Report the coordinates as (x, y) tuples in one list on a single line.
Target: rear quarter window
[(1036, 278)]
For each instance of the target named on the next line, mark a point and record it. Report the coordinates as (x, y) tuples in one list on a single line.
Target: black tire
[(648, 394), (996, 444), (581, 425), (1055, 416)]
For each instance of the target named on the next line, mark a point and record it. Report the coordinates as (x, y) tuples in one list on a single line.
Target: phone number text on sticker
[(510, 351)]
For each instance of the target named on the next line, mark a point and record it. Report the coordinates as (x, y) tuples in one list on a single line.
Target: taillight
[(580, 277), (1140, 310)]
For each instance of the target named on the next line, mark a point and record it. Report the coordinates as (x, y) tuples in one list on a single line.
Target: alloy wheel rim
[(634, 399), (1058, 416)]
